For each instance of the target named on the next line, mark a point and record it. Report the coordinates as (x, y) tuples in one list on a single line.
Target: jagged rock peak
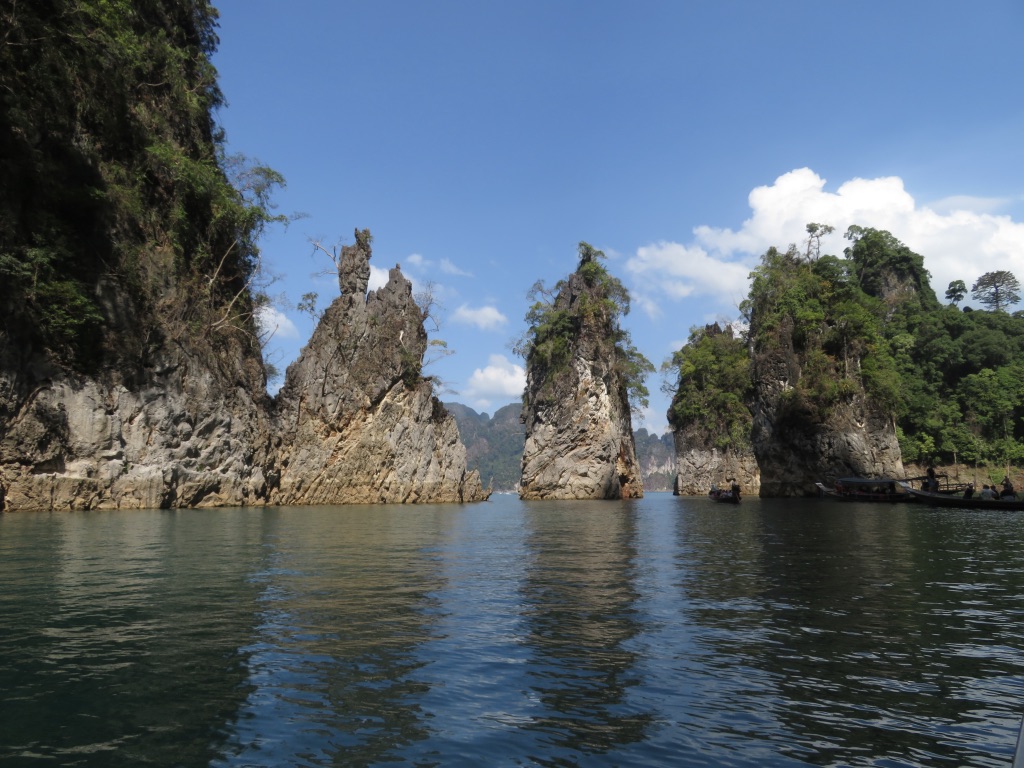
[(354, 265), (358, 422), (579, 437)]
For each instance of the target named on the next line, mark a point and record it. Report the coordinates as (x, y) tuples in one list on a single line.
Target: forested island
[(852, 366)]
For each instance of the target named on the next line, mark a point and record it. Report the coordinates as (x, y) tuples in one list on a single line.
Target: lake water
[(660, 632)]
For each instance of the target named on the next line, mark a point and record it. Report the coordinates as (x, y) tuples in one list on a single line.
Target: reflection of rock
[(579, 600), (356, 420), (579, 436)]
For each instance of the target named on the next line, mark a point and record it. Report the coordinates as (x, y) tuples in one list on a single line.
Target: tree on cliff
[(997, 290), (118, 201), (592, 315), (819, 309), (712, 387)]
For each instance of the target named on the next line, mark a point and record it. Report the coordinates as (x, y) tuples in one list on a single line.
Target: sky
[(481, 141)]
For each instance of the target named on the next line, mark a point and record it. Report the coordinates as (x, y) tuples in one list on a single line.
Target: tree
[(997, 290), (956, 291)]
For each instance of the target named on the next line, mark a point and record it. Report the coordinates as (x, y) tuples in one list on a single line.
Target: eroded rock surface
[(356, 420), (579, 437)]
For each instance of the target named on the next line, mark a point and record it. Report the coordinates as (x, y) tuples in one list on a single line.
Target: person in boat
[(1007, 492), (734, 487), (931, 483), (969, 491), (986, 493)]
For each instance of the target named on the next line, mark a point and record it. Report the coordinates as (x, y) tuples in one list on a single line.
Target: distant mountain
[(494, 444), (657, 457), (494, 447)]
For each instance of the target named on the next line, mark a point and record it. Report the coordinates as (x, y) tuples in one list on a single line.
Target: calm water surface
[(661, 632)]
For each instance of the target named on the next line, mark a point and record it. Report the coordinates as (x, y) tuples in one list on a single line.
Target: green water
[(665, 631)]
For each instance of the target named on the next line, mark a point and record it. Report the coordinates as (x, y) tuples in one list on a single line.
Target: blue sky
[(481, 141)]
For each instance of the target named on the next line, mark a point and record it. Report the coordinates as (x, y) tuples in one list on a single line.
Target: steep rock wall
[(698, 466), (356, 421), (181, 436), (579, 436), (797, 444)]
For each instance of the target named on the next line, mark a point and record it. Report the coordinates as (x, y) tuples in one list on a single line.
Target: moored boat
[(974, 502), (873, 489)]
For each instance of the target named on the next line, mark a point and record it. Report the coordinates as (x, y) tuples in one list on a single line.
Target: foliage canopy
[(117, 189), (586, 308)]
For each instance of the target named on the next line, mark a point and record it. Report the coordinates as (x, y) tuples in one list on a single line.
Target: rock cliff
[(182, 434), (356, 421), (797, 445), (579, 437), (698, 466)]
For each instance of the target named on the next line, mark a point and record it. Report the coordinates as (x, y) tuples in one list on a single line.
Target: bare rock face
[(356, 421), (181, 439), (698, 467), (797, 445), (579, 437)]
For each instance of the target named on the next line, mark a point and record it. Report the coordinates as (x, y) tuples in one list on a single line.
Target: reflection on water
[(662, 631)]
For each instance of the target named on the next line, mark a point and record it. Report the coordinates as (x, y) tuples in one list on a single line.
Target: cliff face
[(130, 363), (356, 422), (579, 437), (698, 466), (182, 434), (798, 444)]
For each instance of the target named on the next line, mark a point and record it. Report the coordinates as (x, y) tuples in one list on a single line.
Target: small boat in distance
[(873, 489), (730, 495)]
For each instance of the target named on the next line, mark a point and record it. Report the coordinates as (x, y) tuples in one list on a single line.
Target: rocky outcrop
[(579, 437), (355, 423), (179, 437), (699, 466), (356, 420), (798, 443)]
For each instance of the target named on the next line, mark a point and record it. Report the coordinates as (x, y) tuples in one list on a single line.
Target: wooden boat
[(872, 489), (724, 495), (974, 502)]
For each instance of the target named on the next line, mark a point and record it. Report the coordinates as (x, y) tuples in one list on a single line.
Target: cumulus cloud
[(501, 381), (484, 318), (960, 238), (274, 322)]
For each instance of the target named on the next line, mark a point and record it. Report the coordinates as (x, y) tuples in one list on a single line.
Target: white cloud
[(958, 237), (378, 278), (500, 381), (484, 318), (274, 322), (450, 269)]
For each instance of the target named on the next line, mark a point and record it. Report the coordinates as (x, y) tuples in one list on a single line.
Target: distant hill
[(494, 447), (494, 444), (657, 457)]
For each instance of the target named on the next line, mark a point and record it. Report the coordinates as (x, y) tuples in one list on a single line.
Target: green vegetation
[(584, 308), (712, 387), (951, 380), (116, 188)]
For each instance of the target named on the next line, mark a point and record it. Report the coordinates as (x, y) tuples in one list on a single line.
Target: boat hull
[(959, 502)]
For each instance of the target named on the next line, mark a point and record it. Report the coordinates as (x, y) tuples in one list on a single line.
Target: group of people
[(990, 491), (931, 483)]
